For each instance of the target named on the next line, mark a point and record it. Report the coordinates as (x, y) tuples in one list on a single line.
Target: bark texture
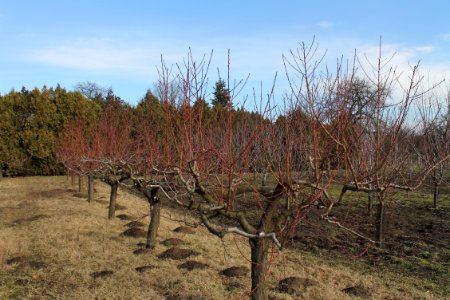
[(379, 231), (112, 199), (90, 188), (259, 249)]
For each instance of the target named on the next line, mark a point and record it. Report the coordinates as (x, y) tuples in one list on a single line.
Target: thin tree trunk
[(112, 200), (435, 195), (90, 187), (73, 180), (259, 249), (379, 232), (370, 197), (369, 203), (264, 179), (79, 183)]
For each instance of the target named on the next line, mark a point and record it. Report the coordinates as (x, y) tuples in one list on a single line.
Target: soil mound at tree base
[(173, 242), (177, 253), (135, 232), (192, 265), (295, 285), (237, 271), (102, 274), (184, 230)]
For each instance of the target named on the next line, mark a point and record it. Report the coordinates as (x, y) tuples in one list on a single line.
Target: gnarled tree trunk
[(112, 199), (155, 214), (259, 249)]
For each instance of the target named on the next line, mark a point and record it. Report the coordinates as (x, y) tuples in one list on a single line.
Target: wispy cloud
[(325, 24), (97, 55), (425, 49), (402, 59), (444, 36)]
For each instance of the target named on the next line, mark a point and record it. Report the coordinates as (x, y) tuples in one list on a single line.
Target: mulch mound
[(125, 217), (358, 291), (173, 242), (295, 285), (37, 265), (238, 271), (22, 281), (80, 195), (24, 261), (102, 274), (142, 251), (192, 265), (184, 230), (144, 269), (177, 253), (16, 260), (29, 219), (135, 232), (120, 207), (134, 224)]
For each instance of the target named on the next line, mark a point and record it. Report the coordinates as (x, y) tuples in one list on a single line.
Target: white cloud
[(98, 55), (325, 24), (425, 49), (402, 59)]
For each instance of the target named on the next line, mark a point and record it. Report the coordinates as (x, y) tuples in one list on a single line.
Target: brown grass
[(56, 245)]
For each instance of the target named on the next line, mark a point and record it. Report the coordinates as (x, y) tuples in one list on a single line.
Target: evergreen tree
[(31, 122), (221, 93)]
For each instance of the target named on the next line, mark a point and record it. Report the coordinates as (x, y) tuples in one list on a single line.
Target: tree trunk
[(259, 249), (435, 195), (264, 179), (73, 180), (155, 212), (90, 188), (369, 203), (379, 232), (112, 200), (79, 183)]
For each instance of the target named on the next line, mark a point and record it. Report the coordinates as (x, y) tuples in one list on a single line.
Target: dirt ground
[(416, 245), (56, 245)]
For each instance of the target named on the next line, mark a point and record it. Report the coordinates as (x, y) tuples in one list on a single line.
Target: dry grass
[(52, 243)]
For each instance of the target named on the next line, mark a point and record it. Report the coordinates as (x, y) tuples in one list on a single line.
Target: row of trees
[(31, 122), (355, 130)]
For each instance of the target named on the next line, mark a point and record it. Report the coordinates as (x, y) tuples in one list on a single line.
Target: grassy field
[(56, 245)]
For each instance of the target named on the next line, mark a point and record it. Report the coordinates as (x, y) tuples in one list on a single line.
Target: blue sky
[(119, 43)]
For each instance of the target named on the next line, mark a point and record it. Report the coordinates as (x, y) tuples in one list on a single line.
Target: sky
[(119, 44)]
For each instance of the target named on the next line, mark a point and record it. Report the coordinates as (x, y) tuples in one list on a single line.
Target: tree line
[(32, 121)]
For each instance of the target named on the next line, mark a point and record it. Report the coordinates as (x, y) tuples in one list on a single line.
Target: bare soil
[(416, 244)]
